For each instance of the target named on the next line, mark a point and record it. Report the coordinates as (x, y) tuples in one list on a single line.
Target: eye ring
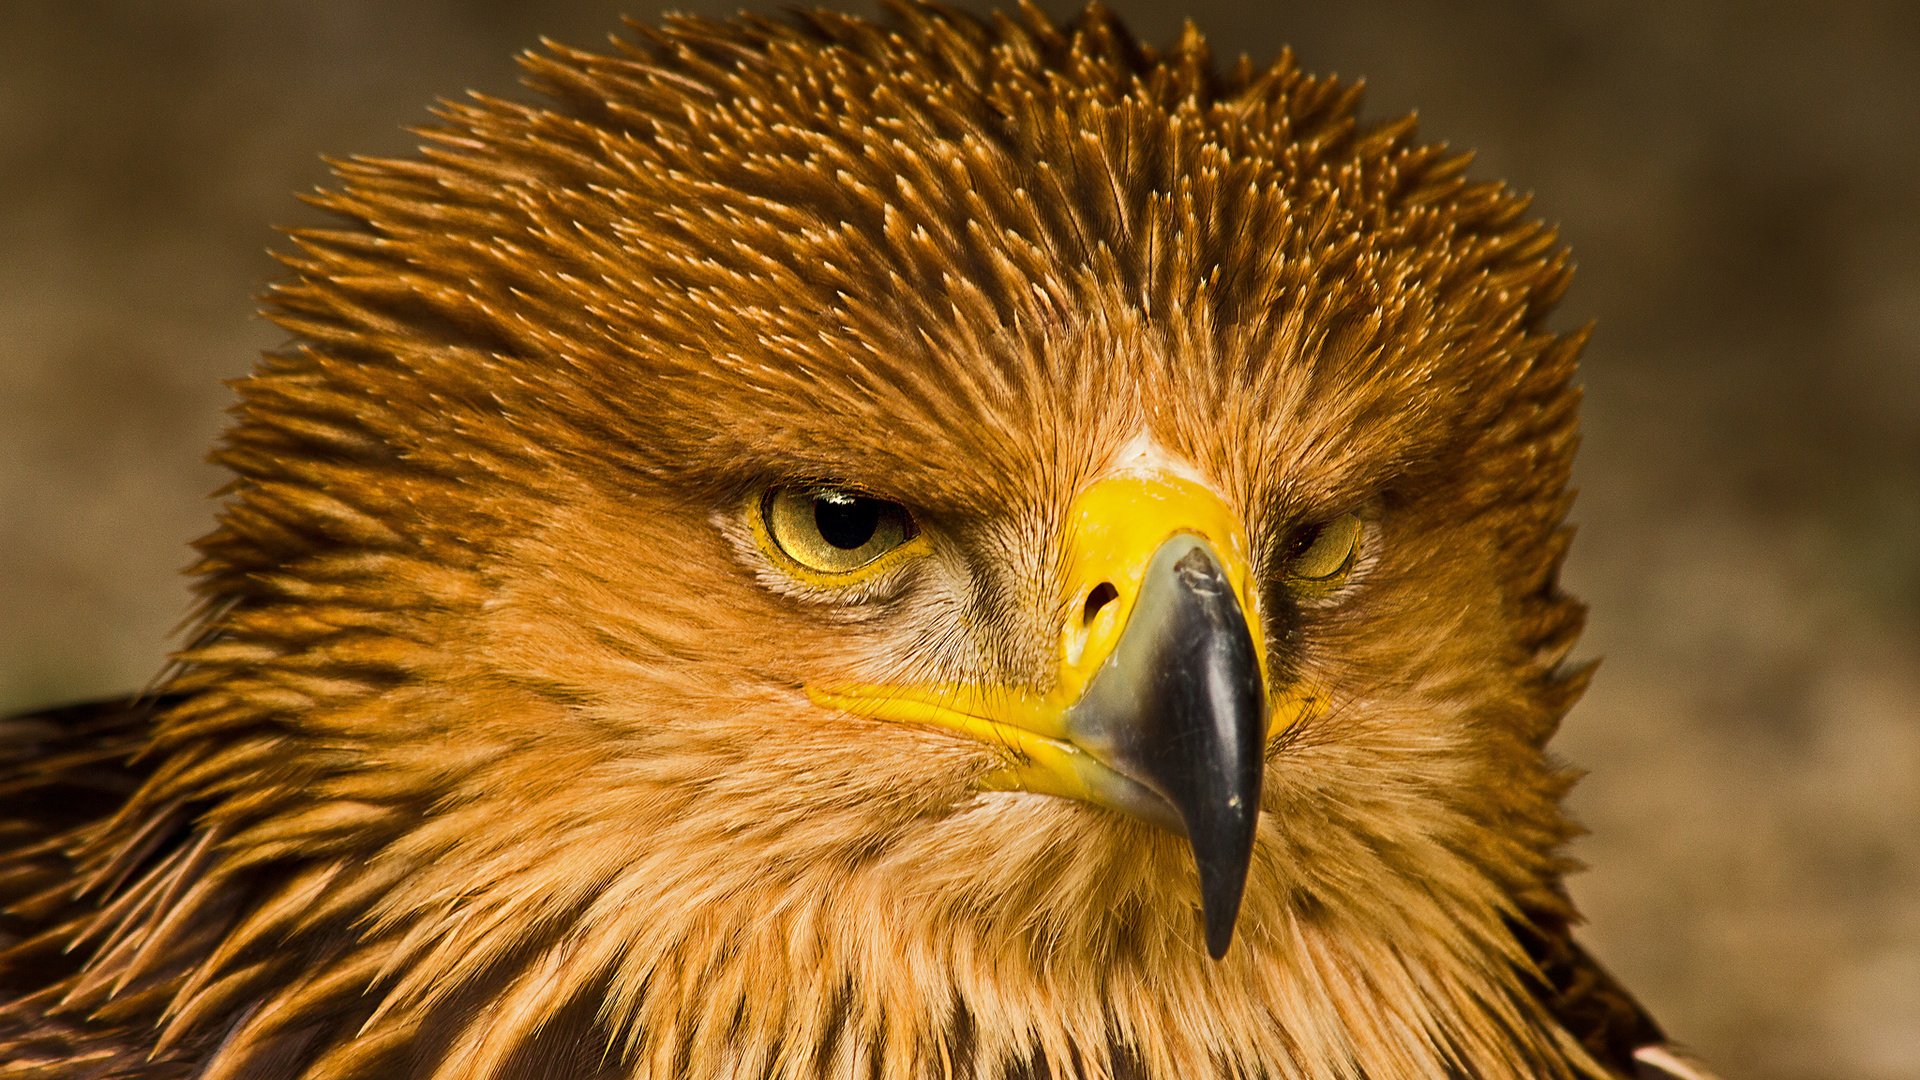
[(832, 534), (1321, 556)]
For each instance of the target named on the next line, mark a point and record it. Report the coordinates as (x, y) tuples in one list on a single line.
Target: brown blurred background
[(1737, 179)]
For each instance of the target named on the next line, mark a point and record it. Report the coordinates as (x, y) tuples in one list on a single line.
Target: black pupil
[(847, 522), (1304, 539)]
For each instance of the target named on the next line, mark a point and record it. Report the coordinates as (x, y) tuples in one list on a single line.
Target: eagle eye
[(1322, 554), (833, 531)]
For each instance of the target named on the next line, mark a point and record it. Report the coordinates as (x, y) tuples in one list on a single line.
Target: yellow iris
[(1328, 552), (830, 535)]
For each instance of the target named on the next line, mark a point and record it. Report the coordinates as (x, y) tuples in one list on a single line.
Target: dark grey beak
[(1179, 708)]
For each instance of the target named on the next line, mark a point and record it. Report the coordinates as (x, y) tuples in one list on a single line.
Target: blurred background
[(1737, 180)]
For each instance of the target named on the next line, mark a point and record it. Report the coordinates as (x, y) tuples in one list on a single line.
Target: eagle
[(925, 546)]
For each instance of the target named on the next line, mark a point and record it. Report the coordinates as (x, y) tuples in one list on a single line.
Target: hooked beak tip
[(1180, 707)]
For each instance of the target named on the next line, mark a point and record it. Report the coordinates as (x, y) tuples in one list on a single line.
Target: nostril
[(1102, 595)]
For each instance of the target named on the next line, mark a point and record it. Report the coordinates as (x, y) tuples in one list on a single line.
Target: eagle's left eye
[(1322, 554), (833, 531)]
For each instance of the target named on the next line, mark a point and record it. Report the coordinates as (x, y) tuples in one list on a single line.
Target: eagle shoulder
[(1592, 1006)]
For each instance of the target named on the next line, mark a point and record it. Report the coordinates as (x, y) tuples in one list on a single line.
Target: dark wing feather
[(62, 771), (63, 768), (1591, 1004)]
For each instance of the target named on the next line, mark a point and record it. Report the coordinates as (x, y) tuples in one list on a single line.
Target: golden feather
[(494, 756)]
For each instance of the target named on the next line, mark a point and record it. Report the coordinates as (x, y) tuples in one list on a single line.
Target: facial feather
[(497, 738)]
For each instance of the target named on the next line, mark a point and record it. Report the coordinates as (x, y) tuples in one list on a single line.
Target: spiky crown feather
[(391, 827)]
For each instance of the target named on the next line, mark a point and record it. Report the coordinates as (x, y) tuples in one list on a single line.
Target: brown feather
[(492, 759)]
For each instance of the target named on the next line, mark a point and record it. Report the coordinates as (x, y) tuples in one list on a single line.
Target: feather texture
[(493, 761)]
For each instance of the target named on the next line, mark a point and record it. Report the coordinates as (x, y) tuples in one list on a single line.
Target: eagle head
[(946, 546)]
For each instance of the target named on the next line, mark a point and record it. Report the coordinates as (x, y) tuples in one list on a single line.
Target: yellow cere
[(1113, 530)]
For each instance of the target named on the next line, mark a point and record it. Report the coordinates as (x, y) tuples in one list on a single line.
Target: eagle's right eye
[(833, 532)]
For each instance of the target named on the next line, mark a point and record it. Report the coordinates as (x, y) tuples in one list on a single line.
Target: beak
[(1160, 708), (1179, 708)]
